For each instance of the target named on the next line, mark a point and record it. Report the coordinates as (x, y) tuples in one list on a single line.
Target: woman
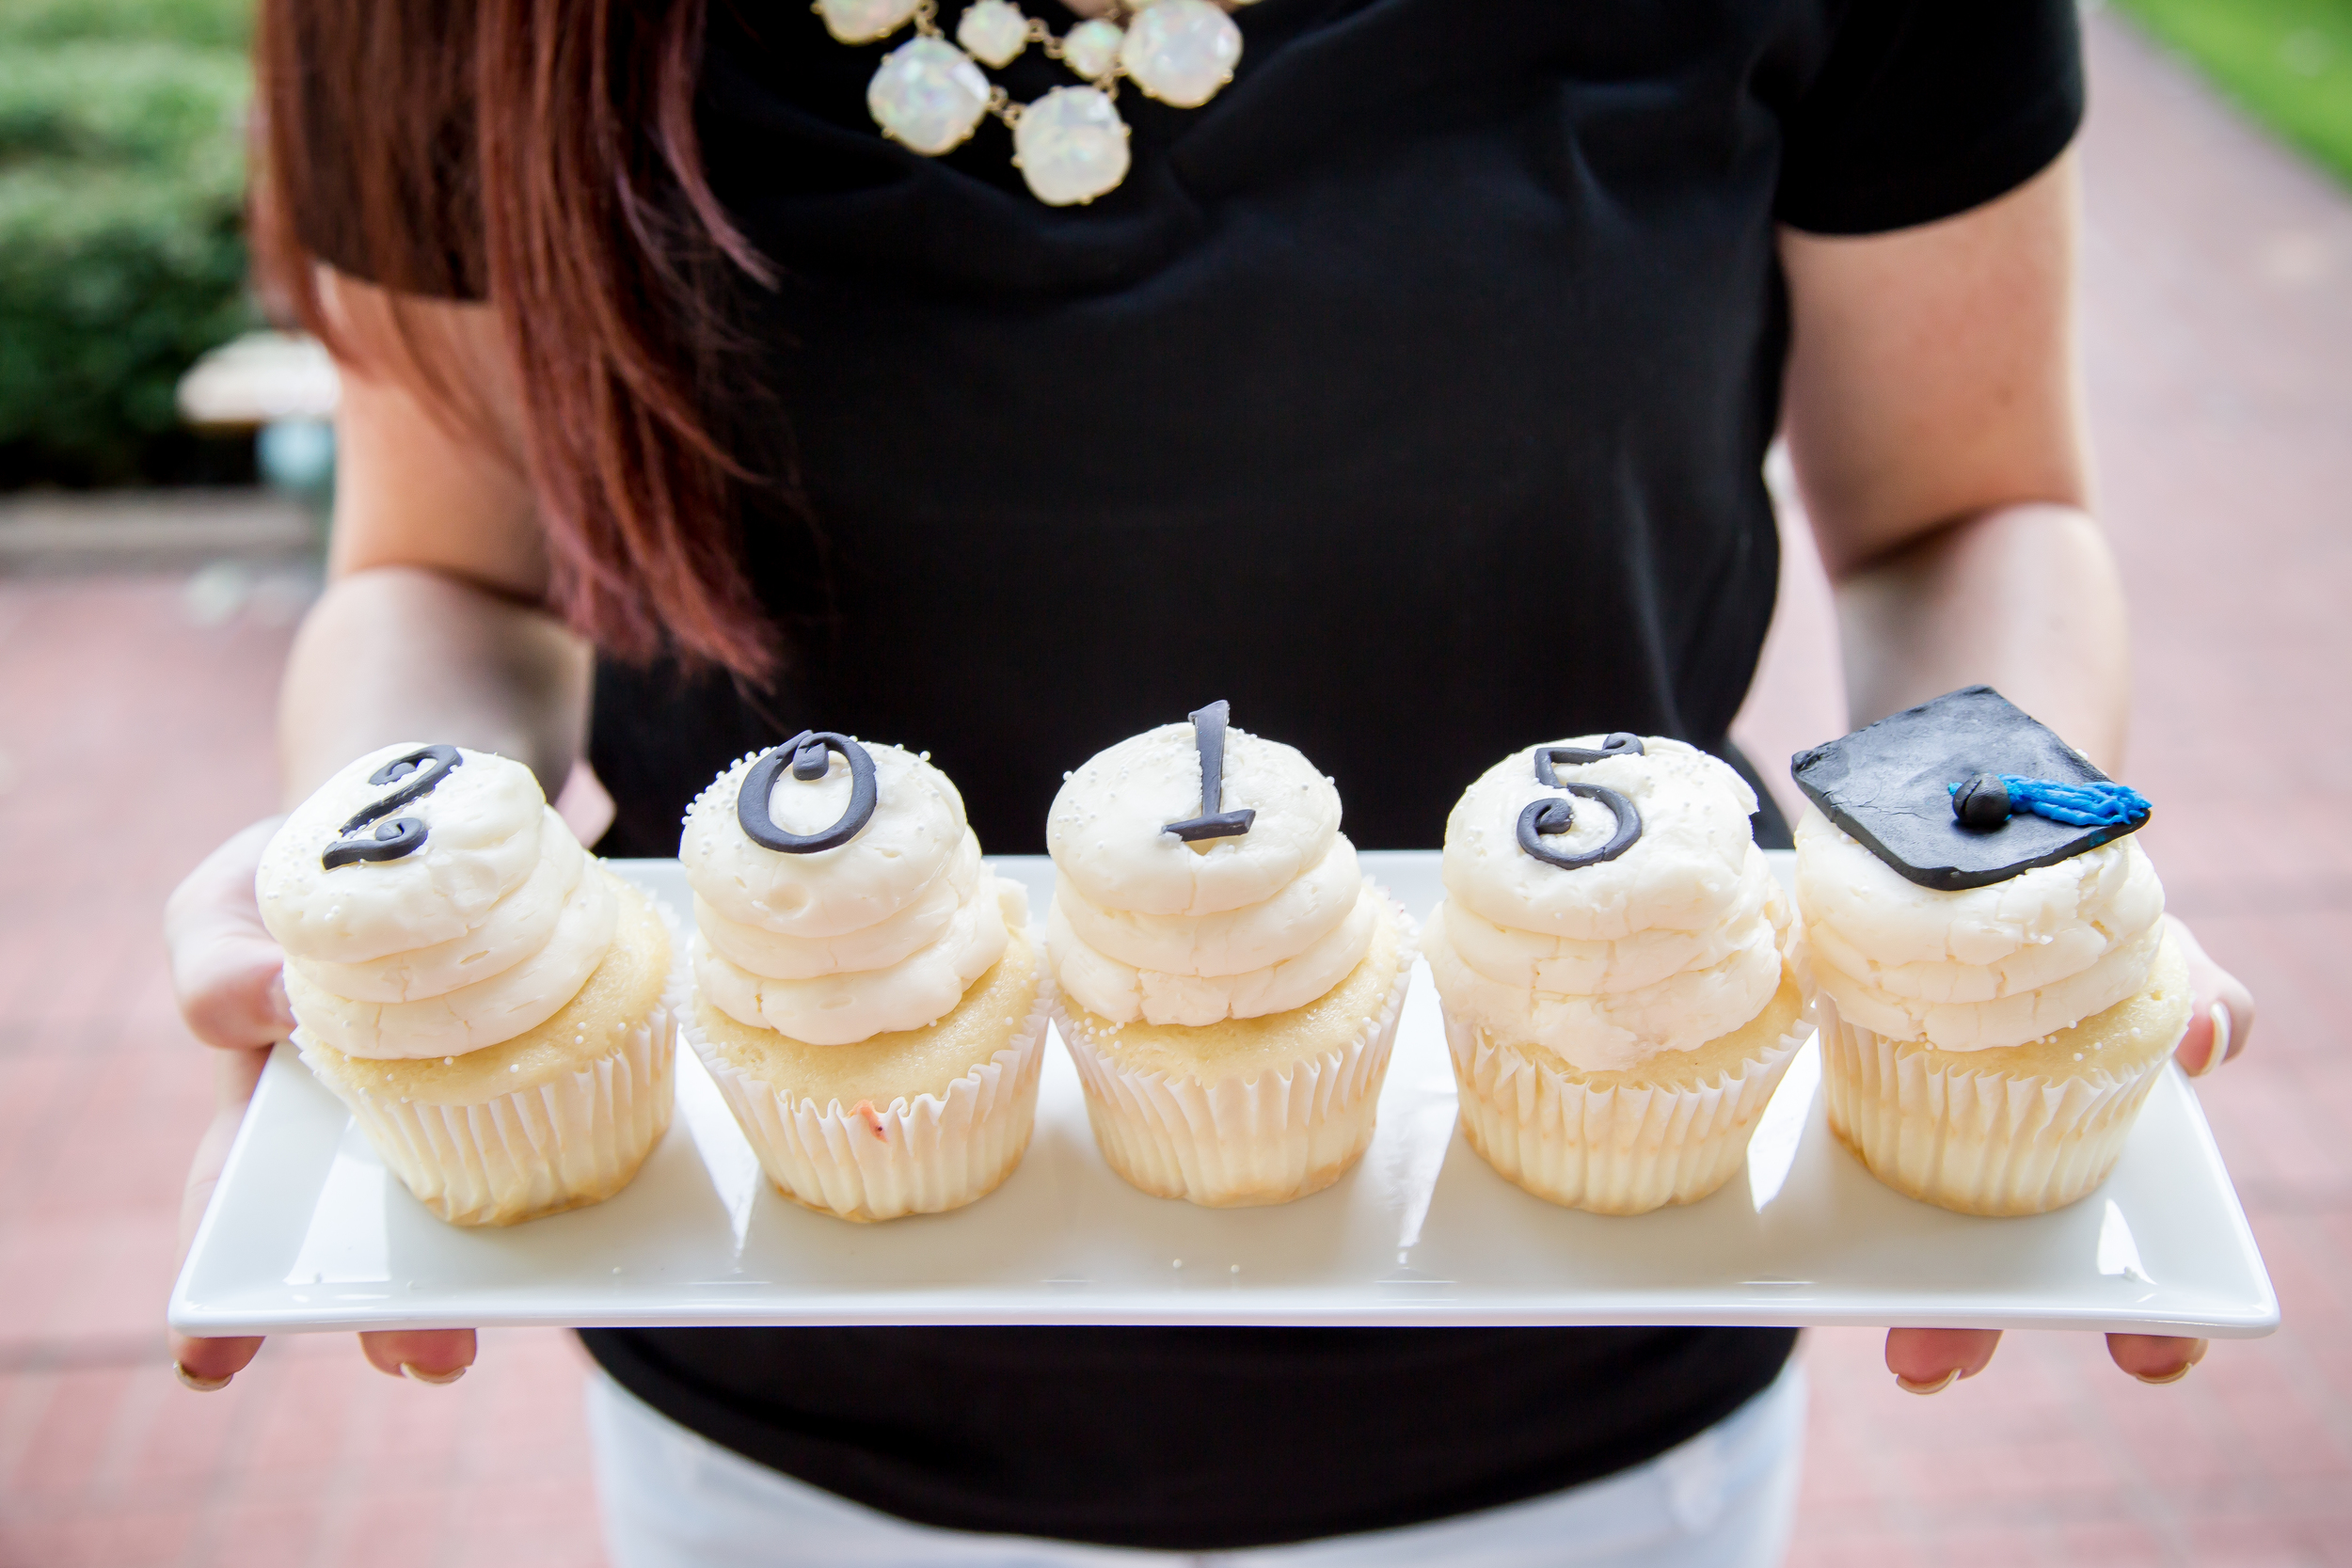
[(1412, 394)]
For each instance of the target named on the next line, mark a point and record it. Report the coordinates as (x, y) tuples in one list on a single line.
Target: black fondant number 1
[(806, 754), (1208, 736), (418, 774)]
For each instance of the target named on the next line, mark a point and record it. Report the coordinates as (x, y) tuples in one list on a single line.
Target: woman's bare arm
[(431, 625), (1935, 416)]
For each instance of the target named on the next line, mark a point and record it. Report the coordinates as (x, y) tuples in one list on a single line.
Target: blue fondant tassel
[(2097, 804)]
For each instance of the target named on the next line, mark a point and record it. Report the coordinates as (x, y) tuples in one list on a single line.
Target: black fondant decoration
[(1543, 818), (1208, 736), (805, 754), (1982, 802), (1547, 757), (402, 836), (1889, 786), (422, 771)]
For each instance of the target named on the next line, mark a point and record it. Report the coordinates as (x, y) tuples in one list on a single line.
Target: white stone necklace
[(1070, 145)]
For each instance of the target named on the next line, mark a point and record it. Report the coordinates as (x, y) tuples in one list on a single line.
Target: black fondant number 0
[(423, 769), (806, 753)]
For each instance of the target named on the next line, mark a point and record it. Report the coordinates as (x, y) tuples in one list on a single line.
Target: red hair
[(540, 154)]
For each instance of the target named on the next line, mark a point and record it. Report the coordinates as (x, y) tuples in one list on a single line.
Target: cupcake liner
[(1974, 1140), (919, 1157), (1234, 1143), (1617, 1150), (565, 1144)]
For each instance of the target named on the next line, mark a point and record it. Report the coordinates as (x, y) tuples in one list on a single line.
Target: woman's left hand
[(1928, 1360)]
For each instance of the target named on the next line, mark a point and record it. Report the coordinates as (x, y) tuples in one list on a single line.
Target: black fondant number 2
[(418, 774)]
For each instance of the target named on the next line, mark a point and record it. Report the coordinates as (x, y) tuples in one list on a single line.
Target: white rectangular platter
[(307, 1230)]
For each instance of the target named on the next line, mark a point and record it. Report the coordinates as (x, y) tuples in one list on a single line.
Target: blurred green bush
[(122, 258), (2286, 62)]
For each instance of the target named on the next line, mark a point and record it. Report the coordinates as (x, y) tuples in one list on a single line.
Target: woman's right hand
[(230, 979)]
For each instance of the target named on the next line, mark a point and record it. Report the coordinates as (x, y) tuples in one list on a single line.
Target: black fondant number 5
[(423, 770), (1547, 757), (1543, 819), (805, 753)]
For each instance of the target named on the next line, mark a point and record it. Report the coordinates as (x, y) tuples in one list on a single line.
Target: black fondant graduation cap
[(1890, 785)]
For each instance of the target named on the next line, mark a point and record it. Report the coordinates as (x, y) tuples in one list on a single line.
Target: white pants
[(1727, 1499)]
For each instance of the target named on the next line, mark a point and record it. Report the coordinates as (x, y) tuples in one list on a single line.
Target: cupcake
[(866, 995), (495, 1006), (1229, 980), (1611, 959), (1999, 987)]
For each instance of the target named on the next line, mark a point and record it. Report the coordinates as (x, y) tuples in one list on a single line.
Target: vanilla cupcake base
[(1626, 1142), (924, 1152), (560, 1116), (1242, 1139), (2016, 1130)]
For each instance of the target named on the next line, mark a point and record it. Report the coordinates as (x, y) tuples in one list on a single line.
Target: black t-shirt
[(1413, 396)]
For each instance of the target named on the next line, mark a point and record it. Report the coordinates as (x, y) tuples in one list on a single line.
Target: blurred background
[(164, 465)]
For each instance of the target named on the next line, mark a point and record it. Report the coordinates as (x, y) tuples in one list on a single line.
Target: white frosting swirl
[(471, 1017), (1675, 942), (1537, 960), (880, 934), (1979, 968), (1233, 941), (1105, 828), (517, 927), (483, 932), (916, 826), (481, 840), (1145, 926), (890, 939), (844, 1008), (1684, 874)]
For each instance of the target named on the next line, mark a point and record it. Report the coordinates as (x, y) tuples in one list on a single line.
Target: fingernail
[(201, 1385), (2220, 1038), (409, 1368), (2196, 1354), (281, 1010), (1908, 1386)]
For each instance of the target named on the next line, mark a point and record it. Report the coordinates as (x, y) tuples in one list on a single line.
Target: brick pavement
[(2220, 326), (134, 735)]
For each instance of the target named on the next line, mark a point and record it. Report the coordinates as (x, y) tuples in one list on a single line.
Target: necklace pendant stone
[(1091, 48), (995, 31), (1071, 146), (928, 94), (864, 21), (1182, 52)]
